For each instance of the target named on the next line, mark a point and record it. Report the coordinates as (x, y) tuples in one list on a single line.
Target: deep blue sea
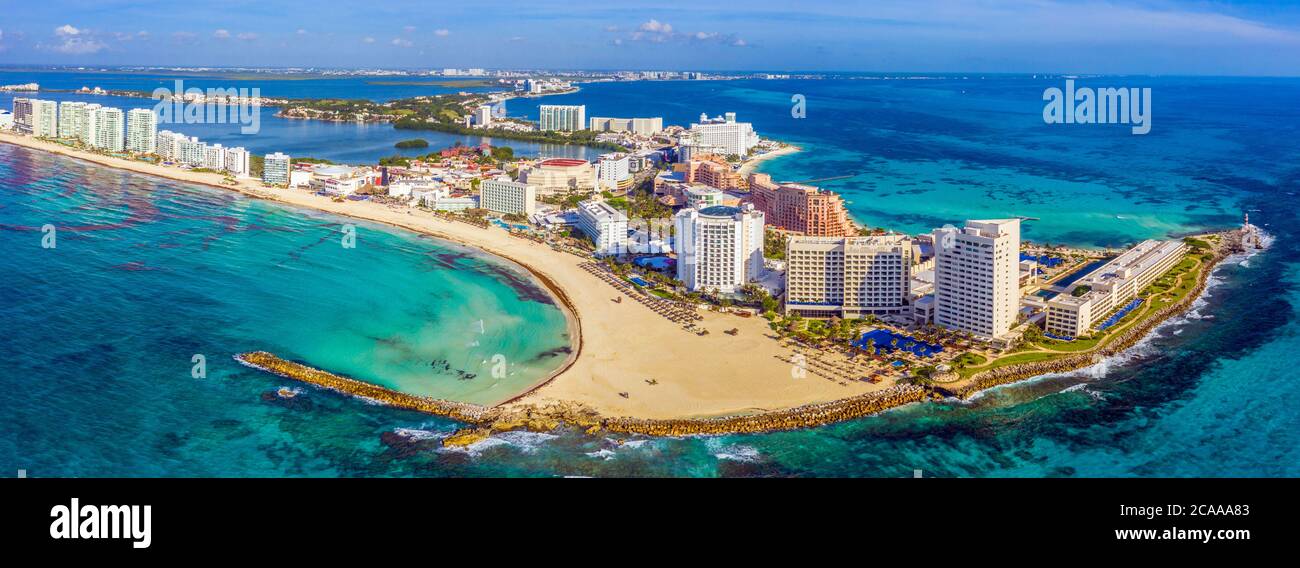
[(97, 375)]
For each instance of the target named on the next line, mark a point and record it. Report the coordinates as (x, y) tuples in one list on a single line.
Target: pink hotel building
[(800, 208)]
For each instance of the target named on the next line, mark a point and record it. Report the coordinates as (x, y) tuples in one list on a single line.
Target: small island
[(412, 143)]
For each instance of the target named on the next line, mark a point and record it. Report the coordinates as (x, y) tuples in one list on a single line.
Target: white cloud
[(66, 30), (74, 41), (399, 42), (368, 40), (301, 31), (655, 31), (655, 26), (247, 36), (442, 32), (408, 29), (221, 34)]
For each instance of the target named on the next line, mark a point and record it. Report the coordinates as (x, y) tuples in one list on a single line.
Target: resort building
[(975, 277), (72, 119), (191, 152), (508, 197), (640, 126), (483, 116), (713, 173), (719, 248), (800, 208), (45, 119), (337, 180), (110, 128), (141, 131), (237, 160), (604, 225), (562, 117), (275, 168), (23, 115), (168, 144), (89, 128), (214, 157), (613, 172), (702, 196), (560, 175), (1110, 288), (733, 138), (848, 277)]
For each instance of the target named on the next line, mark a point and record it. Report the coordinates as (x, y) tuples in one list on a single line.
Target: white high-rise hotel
[(976, 277), (504, 196), (141, 131), (604, 225), (110, 124), (719, 248), (724, 133), (848, 277), (562, 117)]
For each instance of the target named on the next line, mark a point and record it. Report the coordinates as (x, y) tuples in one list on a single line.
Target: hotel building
[(976, 277), (719, 248), (713, 174), (731, 137), (1109, 288), (191, 152), (237, 160), (848, 277), (275, 169), (483, 116), (613, 172), (89, 128), (72, 119), (110, 126), (23, 115), (562, 117), (560, 175), (45, 119), (800, 208), (142, 131), (641, 126), (508, 197), (214, 157), (604, 225)]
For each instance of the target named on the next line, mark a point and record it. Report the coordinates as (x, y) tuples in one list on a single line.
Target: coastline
[(719, 384), (751, 165), (612, 368)]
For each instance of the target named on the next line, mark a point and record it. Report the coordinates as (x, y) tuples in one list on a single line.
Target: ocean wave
[(524, 442), (733, 452)]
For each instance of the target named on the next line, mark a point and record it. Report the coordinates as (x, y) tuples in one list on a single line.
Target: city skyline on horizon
[(1162, 37)]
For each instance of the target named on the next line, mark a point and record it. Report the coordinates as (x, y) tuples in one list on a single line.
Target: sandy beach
[(617, 347), (752, 164)]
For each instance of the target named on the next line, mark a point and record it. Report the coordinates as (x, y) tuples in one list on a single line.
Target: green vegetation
[(412, 143), (1081, 290), (774, 245)]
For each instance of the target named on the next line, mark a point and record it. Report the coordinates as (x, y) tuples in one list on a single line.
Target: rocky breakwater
[(484, 421)]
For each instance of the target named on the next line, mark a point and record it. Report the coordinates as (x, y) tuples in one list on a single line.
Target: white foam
[(734, 452), (525, 442)]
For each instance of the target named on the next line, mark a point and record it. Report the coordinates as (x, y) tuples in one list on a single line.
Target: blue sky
[(1072, 36)]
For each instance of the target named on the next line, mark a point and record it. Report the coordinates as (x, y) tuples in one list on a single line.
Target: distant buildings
[(800, 208), (719, 248), (1111, 287), (142, 131), (613, 172), (562, 117), (508, 197), (604, 225), (976, 281), (848, 277), (733, 138), (275, 168), (560, 175), (640, 126)]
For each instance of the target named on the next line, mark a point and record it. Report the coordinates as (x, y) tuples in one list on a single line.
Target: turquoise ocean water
[(97, 374)]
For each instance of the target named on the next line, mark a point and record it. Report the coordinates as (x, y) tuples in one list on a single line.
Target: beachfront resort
[(766, 292)]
